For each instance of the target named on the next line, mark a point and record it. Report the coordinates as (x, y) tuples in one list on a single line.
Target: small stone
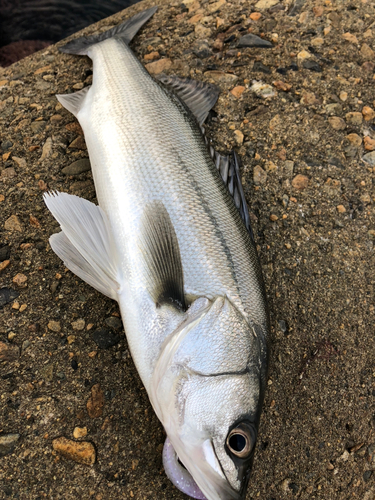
[(214, 7), (20, 280), (341, 209), (13, 224), (283, 325), (300, 182), (368, 66), (221, 77), (95, 403), (79, 324), (4, 253), (370, 158), (78, 86), (21, 162), (8, 443), (202, 32), (4, 265), (15, 305), (8, 352), (273, 217), (354, 139), (317, 42), (23, 307), (8, 173), (56, 118), (237, 91), (263, 90), (289, 167), (79, 432), (47, 149), (354, 118), (334, 109), (285, 87), (303, 55), (157, 67), (266, 4), (77, 167), (367, 52), (308, 98), (318, 10), (7, 295), (54, 326), (337, 123), (195, 19), (104, 338), (238, 135), (152, 56), (259, 66), (5, 145), (255, 16), (367, 475), (312, 65), (78, 143), (114, 322), (74, 127), (350, 38), (38, 126), (369, 143), (251, 40), (368, 113), (218, 44), (82, 452), (259, 175), (71, 339)]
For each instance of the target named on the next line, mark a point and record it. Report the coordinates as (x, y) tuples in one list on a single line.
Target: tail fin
[(126, 31)]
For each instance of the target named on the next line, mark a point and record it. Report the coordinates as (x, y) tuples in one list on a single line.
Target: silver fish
[(168, 242)]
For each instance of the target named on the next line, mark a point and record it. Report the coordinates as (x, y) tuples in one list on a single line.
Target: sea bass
[(171, 242)]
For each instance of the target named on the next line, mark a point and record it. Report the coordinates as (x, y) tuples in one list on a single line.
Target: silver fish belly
[(168, 243)]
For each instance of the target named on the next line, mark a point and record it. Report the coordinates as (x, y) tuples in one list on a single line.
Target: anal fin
[(85, 244)]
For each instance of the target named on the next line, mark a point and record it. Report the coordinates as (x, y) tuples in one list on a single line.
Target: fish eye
[(240, 441)]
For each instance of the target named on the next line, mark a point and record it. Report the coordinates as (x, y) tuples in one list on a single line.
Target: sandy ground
[(310, 190)]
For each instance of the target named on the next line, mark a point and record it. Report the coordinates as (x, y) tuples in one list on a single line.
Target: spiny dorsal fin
[(126, 31), (73, 102), (160, 248), (199, 97)]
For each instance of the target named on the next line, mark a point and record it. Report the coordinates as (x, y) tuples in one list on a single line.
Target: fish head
[(208, 390)]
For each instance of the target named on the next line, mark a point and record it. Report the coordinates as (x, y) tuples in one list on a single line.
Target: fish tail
[(126, 31)]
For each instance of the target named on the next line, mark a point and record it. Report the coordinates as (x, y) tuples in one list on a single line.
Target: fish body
[(180, 263)]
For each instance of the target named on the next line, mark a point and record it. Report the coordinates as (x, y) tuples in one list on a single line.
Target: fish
[(170, 240)]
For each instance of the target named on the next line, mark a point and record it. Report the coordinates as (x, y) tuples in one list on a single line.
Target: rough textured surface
[(315, 237)]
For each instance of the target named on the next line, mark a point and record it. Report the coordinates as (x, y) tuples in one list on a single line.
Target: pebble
[(7, 295), (308, 98), (8, 443), (354, 118), (78, 143), (259, 66), (21, 162), (202, 32), (152, 56), (79, 324), (20, 280), (266, 4), (263, 89), (259, 175), (289, 167), (4, 264), (77, 167), (237, 91), (354, 139), (238, 135), (221, 77), (79, 432), (38, 126), (5, 145), (367, 112), (367, 51), (47, 149), (312, 65), (82, 452), (4, 253), (13, 224), (54, 326), (369, 143), (114, 322), (251, 40), (285, 87), (303, 55), (333, 109), (367, 475), (300, 182), (104, 338), (156, 67), (337, 123), (370, 158), (283, 325), (95, 403), (8, 173), (341, 209), (343, 96), (8, 352), (350, 38), (255, 16)]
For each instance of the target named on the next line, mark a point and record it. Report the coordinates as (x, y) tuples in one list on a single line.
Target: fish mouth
[(212, 485)]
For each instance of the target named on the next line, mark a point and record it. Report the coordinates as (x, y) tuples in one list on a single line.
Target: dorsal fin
[(199, 97), (161, 251)]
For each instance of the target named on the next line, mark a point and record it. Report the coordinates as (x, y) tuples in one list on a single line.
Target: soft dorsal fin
[(73, 102), (161, 251), (126, 31), (199, 97), (85, 244)]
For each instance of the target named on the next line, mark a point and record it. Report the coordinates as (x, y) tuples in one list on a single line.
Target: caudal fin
[(126, 31)]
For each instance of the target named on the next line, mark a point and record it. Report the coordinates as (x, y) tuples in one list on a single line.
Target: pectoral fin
[(161, 252), (85, 244)]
